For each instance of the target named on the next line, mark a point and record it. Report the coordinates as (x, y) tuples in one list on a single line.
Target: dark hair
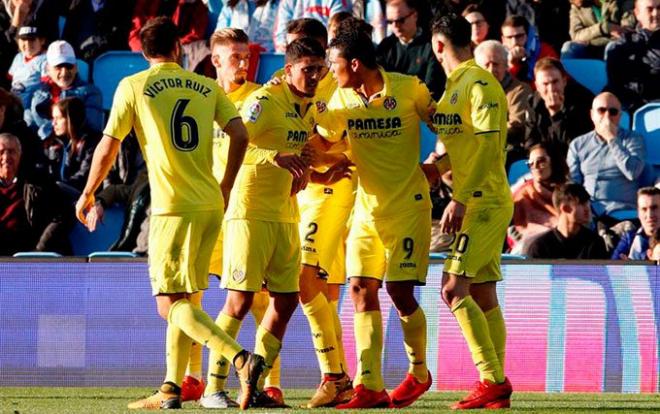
[(159, 37), (353, 24), (558, 165), (648, 191), (569, 192), (73, 109), (355, 44), (304, 47), (549, 63), (13, 107), (339, 17), (455, 28), (473, 8), (307, 27), (516, 21)]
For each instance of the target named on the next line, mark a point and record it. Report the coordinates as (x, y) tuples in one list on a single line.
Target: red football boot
[(487, 395), (192, 388), (275, 394), (365, 398), (409, 391)]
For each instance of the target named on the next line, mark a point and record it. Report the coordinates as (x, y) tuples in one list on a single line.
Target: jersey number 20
[(183, 128)]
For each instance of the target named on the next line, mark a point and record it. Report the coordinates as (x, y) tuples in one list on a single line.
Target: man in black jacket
[(32, 215), (408, 49)]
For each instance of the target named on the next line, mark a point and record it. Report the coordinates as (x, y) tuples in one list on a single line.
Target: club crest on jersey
[(454, 98), (255, 111), (389, 103), (320, 107)]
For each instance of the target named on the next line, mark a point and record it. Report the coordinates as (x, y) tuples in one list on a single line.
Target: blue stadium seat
[(269, 63), (624, 122), (438, 256), (516, 170), (591, 73), (83, 69), (428, 141), (111, 67), (85, 243), (111, 255), (624, 214), (646, 122), (510, 256), (36, 255)]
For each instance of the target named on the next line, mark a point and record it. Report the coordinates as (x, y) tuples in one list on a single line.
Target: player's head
[(305, 65), (648, 209), (451, 37), (351, 24), (160, 39), (351, 53), (572, 202), (230, 55), (307, 27)]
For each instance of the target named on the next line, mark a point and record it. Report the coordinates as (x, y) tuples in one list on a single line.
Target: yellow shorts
[(257, 252), (180, 252), (323, 230), (215, 268), (477, 248), (396, 248)]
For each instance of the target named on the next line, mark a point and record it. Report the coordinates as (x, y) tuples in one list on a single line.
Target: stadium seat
[(111, 255), (85, 243), (624, 214), (111, 67), (510, 256), (590, 73), (624, 122), (83, 69), (36, 255), (438, 256), (516, 170), (269, 63), (646, 121), (428, 141)]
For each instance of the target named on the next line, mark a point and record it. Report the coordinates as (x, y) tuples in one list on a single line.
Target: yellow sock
[(272, 378), (201, 328), (218, 365), (177, 350), (473, 324), (339, 334), (259, 306), (321, 323), (414, 340), (195, 360), (497, 330), (369, 347), (266, 345)]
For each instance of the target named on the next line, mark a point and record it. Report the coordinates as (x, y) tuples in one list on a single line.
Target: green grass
[(20, 400)]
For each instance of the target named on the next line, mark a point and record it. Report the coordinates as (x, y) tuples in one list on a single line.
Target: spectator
[(634, 245), (62, 81), (557, 113), (524, 47), (254, 17), (533, 210), (71, 146), (609, 159), (633, 62), (32, 215), (492, 56), (371, 11), (551, 21), (93, 27), (654, 247), (408, 49), (593, 24), (295, 9), (11, 122), (28, 64), (478, 22), (570, 239)]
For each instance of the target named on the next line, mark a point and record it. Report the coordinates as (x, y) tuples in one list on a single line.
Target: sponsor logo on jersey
[(374, 123), (297, 136), (482, 83), (488, 105), (447, 119), (255, 111), (291, 115), (407, 265), (389, 103)]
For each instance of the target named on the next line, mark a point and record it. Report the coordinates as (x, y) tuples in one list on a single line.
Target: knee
[(238, 304), (164, 310), (403, 298), (364, 298)]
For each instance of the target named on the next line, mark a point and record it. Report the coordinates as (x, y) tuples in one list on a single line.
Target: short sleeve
[(486, 107), (122, 114), (225, 110), (255, 115)]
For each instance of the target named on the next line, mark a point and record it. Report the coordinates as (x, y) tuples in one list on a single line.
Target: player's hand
[(300, 183), (226, 191), (309, 154), (84, 204), (431, 172), (336, 172), (292, 163), (95, 216), (452, 217)]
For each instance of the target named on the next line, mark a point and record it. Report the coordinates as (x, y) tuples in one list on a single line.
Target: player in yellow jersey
[(230, 56), (380, 114), (172, 112), (261, 243), (471, 121)]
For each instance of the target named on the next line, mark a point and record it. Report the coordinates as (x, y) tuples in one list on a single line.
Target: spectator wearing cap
[(62, 81), (28, 64), (608, 160), (634, 245)]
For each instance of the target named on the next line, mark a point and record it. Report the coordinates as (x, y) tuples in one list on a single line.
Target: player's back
[(172, 111)]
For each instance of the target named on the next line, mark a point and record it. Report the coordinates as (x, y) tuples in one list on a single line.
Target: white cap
[(60, 52)]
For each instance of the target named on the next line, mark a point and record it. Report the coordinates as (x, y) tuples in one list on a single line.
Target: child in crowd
[(29, 63)]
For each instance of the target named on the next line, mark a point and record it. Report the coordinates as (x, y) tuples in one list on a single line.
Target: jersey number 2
[(183, 128)]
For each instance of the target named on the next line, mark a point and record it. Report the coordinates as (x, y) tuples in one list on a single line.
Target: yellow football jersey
[(277, 121), (384, 139), (471, 121), (172, 112), (220, 141)]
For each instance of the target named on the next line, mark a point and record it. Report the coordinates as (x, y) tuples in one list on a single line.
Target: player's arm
[(238, 142)]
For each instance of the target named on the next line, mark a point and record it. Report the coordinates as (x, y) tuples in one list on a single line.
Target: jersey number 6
[(183, 128)]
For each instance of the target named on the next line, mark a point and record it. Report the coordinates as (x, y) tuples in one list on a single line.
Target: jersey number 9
[(183, 128)]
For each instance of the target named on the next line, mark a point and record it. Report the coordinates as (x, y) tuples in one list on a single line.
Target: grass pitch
[(39, 400)]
